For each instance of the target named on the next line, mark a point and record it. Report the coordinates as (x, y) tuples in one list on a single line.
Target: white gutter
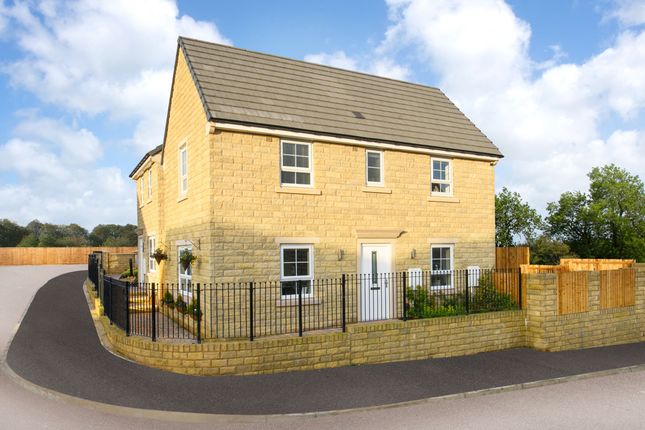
[(346, 141)]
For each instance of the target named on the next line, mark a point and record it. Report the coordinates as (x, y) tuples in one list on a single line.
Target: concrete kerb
[(191, 417)]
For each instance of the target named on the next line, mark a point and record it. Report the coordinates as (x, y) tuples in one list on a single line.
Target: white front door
[(376, 265), (142, 260)]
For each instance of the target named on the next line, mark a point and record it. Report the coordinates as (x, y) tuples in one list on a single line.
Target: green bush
[(126, 274), (486, 298), (181, 305), (422, 304)]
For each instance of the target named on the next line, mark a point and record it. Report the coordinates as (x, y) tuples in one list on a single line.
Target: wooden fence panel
[(511, 257), (41, 256), (573, 292), (617, 288), (594, 264)]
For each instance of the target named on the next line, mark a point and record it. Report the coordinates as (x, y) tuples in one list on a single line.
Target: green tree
[(514, 218), (618, 200), (607, 222), (572, 221), (114, 235), (546, 250), (11, 233)]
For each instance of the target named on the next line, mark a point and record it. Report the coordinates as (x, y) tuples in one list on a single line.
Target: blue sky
[(559, 86)]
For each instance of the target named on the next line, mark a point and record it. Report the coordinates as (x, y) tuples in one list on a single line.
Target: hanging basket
[(186, 258), (159, 255)]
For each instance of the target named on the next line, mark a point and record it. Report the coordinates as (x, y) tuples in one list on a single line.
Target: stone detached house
[(277, 169)]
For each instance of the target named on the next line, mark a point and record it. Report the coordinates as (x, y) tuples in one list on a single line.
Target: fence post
[(299, 286), (154, 315), (127, 308), (519, 287), (405, 298), (342, 301), (251, 312), (110, 299), (199, 314), (467, 292)]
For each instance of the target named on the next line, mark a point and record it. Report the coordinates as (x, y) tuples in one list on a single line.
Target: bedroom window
[(295, 164)]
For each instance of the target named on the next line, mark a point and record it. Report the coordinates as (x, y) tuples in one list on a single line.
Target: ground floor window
[(296, 270), (442, 265), (185, 274), (152, 245)]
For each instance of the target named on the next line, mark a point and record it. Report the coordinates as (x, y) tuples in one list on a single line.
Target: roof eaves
[(147, 155), (331, 134)]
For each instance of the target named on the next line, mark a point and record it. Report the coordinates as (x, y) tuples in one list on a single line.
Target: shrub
[(126, 274), (180, 304), (487, 299)]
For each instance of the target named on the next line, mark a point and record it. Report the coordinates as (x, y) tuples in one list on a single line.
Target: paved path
[(57, 347)]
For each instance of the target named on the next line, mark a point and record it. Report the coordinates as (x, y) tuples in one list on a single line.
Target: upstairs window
[(295, 164), (149, 184), (441, 174), (142, 187), (183, 170), (374, 168)]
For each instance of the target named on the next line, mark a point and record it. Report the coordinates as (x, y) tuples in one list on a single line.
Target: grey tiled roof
[(245, 87)]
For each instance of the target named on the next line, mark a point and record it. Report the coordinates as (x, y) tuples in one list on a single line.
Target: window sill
[(443, 199), (182, 198), (376, 189), (306, 301), (298, 190)]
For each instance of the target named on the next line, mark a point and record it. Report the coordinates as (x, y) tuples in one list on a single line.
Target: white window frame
[(447, 181), (309, 170), (310, 277), (186, 294), (381, 168), (183, 175), (142, 190), (450, 271), (150, 184), (152, 245)]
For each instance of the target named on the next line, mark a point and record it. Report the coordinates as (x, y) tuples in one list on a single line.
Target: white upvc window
[(183, 169), (374, 168), (152, 245), (296, 268), (441, 177), (442, 265), (185, 275), (295, 164), (142, 187), (150, 184)]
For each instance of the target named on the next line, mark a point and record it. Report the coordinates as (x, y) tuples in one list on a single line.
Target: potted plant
[(159, 255), (193, 310), (168, 299), (181, 305), (186, 258)]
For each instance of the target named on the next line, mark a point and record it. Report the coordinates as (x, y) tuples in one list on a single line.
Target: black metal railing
[(199, 311)]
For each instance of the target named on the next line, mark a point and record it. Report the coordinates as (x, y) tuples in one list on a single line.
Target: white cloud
[(629, 12), (335, 59), (113, 58), (376, 65), (545, 117), (58, 178)]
